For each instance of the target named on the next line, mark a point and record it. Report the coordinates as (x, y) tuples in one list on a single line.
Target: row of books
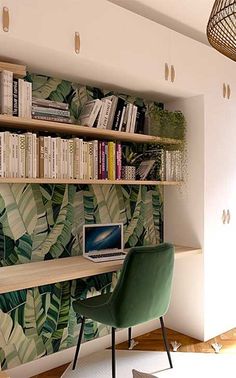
[(16, 99), (32, 156), (113, 113)]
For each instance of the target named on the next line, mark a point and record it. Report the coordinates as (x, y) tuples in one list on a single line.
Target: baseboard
[(57, 359)]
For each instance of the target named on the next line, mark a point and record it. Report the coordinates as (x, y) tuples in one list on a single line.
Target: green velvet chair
[(142, 293)]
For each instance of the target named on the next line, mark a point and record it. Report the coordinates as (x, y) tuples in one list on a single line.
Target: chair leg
[(113, 342), (166, 341), (129, 336), (79, 342)]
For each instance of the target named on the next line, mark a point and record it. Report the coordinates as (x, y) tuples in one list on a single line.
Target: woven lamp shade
[(221, 28)]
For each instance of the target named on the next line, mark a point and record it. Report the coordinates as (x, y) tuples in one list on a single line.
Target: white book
[(1, 154), (64, 159), (133, 118), (58, 157), (85, 161), (47, 157), (70, 147), (95, 159), (89, 112), (6, 92), (6, 153), (34, 155), (13, 154), (21, 98), (28, 99), (76, 158), (21, 160), (129, 117), (28, 155), (122, 117), (81, 168), (90, 160), (53, 158), (104, 113), (114, 101)]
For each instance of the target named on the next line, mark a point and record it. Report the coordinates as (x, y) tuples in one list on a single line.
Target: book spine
[(85, 160), (114, 100), (111, 161), (16, 141), (39, 110), (103, 160), (34, 157), (37, 157), (15, 98), (21, 98), (28, 99), (106, 160), (70, 147), (99, 160), (41, 156), (95, 159), (53, 157), (6, 89), (7, 153), (90, 160), (1, 154), (21, 141), (58, 158), (64, 159), (52, 118), (49, 104), (28, 155), (81, 169), (76, 157), (118, 161)]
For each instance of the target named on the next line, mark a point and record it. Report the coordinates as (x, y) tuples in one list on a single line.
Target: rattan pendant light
[(221, 28)]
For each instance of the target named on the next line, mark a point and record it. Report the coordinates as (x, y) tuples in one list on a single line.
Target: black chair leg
[(129, 336), (113, 342), (79, 342), (166, 341)]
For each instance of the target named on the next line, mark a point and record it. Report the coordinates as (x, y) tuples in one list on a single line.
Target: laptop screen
[(102, 237)]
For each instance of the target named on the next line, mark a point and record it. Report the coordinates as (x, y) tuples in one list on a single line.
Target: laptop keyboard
[(108, 255)]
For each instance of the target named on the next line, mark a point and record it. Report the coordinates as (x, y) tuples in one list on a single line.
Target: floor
[(153, 341)]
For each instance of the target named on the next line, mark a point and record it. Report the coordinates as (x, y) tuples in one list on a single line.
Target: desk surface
[(23, 276)]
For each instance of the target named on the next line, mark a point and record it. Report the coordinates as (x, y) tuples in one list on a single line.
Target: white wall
[(184, 225)]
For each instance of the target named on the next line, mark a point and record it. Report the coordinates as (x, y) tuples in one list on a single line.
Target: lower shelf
[(89, 181), (24, 276)]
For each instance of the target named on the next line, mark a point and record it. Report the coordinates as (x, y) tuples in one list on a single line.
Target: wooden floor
[(153, 341)]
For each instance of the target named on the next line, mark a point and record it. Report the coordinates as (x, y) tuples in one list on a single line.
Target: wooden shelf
[(89, 181), (72, 129), (23, 276)]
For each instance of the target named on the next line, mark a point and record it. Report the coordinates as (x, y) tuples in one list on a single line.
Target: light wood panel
[(83, 131), (34, 274), (89, 181)]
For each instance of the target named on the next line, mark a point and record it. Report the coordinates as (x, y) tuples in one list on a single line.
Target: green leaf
[(20, 216)]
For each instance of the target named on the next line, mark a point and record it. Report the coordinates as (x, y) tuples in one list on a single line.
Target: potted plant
[(129, 159)]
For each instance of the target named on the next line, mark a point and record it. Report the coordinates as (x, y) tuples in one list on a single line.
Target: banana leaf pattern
[(42, 222)]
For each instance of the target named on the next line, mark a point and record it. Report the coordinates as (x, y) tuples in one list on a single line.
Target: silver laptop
[(103, 242)]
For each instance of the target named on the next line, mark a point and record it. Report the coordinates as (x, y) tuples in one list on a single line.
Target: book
[(15, 98), (104, 113), (89, 112), (52, 118), (6, 92), (41, 102), (114, 100), (40, 110), (144, 168), (21, 160)]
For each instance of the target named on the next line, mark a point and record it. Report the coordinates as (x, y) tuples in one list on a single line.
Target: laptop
[(103, 242)]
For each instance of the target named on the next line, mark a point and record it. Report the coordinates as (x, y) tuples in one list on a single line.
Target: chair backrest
[(143, 290)]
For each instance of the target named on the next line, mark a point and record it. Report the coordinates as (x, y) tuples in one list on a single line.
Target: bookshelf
[(77, 130), (24, 180), (23, 276)]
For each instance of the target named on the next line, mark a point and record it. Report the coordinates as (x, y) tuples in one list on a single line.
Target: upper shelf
[(73, 129)]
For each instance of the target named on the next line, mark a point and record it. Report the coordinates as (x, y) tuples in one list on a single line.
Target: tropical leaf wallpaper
[(41, 222)]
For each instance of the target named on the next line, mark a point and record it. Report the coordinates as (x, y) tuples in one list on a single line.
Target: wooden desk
[(23, 276)]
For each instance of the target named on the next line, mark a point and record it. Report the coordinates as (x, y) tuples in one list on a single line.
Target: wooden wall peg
[(77, 43), (5, 19)]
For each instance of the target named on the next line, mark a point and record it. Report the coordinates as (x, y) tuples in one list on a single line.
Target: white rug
[(186, 365)]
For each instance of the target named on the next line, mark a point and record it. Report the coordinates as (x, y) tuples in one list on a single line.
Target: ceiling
[(188, 17)]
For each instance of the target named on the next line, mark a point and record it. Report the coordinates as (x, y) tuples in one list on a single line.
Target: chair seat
[(96, 308)]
